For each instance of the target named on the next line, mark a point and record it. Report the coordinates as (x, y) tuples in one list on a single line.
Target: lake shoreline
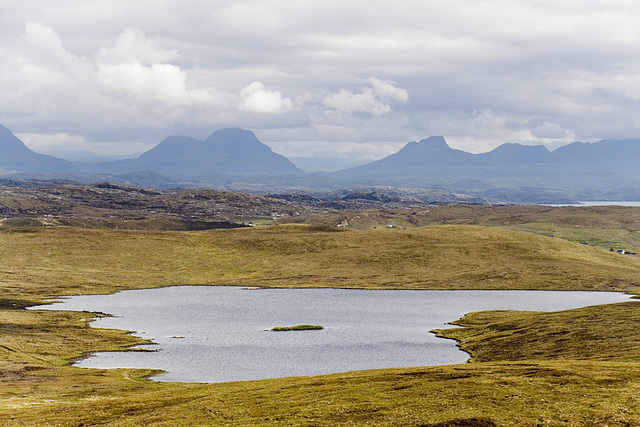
[(270, 297)]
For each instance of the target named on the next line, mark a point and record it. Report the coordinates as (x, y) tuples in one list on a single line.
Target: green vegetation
[(607, 227), (41, 263), (575, 367), (601, 332), (297, 328)]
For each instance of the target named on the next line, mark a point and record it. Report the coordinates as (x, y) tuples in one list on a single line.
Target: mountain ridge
[(235, 159), (433, 157)]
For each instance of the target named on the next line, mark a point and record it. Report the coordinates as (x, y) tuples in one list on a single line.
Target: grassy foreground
[(41, 263), (577, 367)]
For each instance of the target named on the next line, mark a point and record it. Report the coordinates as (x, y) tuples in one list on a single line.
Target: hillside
[(437, 257), (50, 204), (15, 156), (108, 205)]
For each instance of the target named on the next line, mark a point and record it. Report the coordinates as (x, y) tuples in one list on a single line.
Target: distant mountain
[(235, 159), (428, 157), (609, 153), (225, 152), (518, 154), (15, 156), (521, 173)]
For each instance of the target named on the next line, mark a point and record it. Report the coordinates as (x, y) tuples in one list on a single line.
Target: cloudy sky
[(319, 78)]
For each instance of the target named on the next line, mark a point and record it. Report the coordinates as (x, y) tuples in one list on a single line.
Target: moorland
[(575, 367)]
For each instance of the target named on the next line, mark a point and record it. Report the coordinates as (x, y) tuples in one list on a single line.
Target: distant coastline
[(596, 203)]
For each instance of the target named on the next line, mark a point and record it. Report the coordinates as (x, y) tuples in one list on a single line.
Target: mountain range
[(604, 170), (235, 159), (433, 158)]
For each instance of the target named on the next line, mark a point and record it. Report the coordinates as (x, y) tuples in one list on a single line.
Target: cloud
[(139, 66), (133, 45), (547, 130), (42, 143), (164, 82), (126, 86), (537, 72), (258, 99), (376, 100), (46, 41)]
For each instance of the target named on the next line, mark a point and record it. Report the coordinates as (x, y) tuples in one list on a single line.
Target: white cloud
[(164, 82), (534, 71), (258, 99), (547, 130), (378, 99), (133, 45), (47, 43), (42, 143)]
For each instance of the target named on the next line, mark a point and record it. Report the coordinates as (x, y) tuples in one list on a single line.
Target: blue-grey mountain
[(235, 159), (609, 153), (606, 170), (17, 157), (225, 152)]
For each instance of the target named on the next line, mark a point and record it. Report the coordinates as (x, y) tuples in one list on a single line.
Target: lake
[(222, 333)]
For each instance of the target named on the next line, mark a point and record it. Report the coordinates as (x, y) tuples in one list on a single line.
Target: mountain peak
[(228, 151), (228, 138), (232, 133), (431, 145), (435, 142)]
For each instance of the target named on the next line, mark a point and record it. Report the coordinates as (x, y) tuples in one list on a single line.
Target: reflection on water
[(213, 334)]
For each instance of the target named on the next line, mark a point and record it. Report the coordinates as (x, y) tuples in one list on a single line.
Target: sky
[(343, 79)]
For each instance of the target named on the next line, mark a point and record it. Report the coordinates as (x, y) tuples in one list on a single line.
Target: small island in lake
[(297, 328)]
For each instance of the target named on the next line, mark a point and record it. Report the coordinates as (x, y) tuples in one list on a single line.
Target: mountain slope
[(610, 153), (428, 157), (226, 152), (238, 152), (15, 156), (607, 170)]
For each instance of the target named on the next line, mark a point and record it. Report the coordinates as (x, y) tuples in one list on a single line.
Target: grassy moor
[(576, 367)]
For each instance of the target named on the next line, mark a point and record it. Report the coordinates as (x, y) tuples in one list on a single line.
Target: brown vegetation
[(569, 368)]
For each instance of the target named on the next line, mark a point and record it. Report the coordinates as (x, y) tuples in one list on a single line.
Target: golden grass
[(517, 393), (602, 332), (577, 367), (607, 227), (41, 263)]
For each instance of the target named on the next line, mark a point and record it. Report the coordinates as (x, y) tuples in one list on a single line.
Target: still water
[(214, 334), (594, 203)]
